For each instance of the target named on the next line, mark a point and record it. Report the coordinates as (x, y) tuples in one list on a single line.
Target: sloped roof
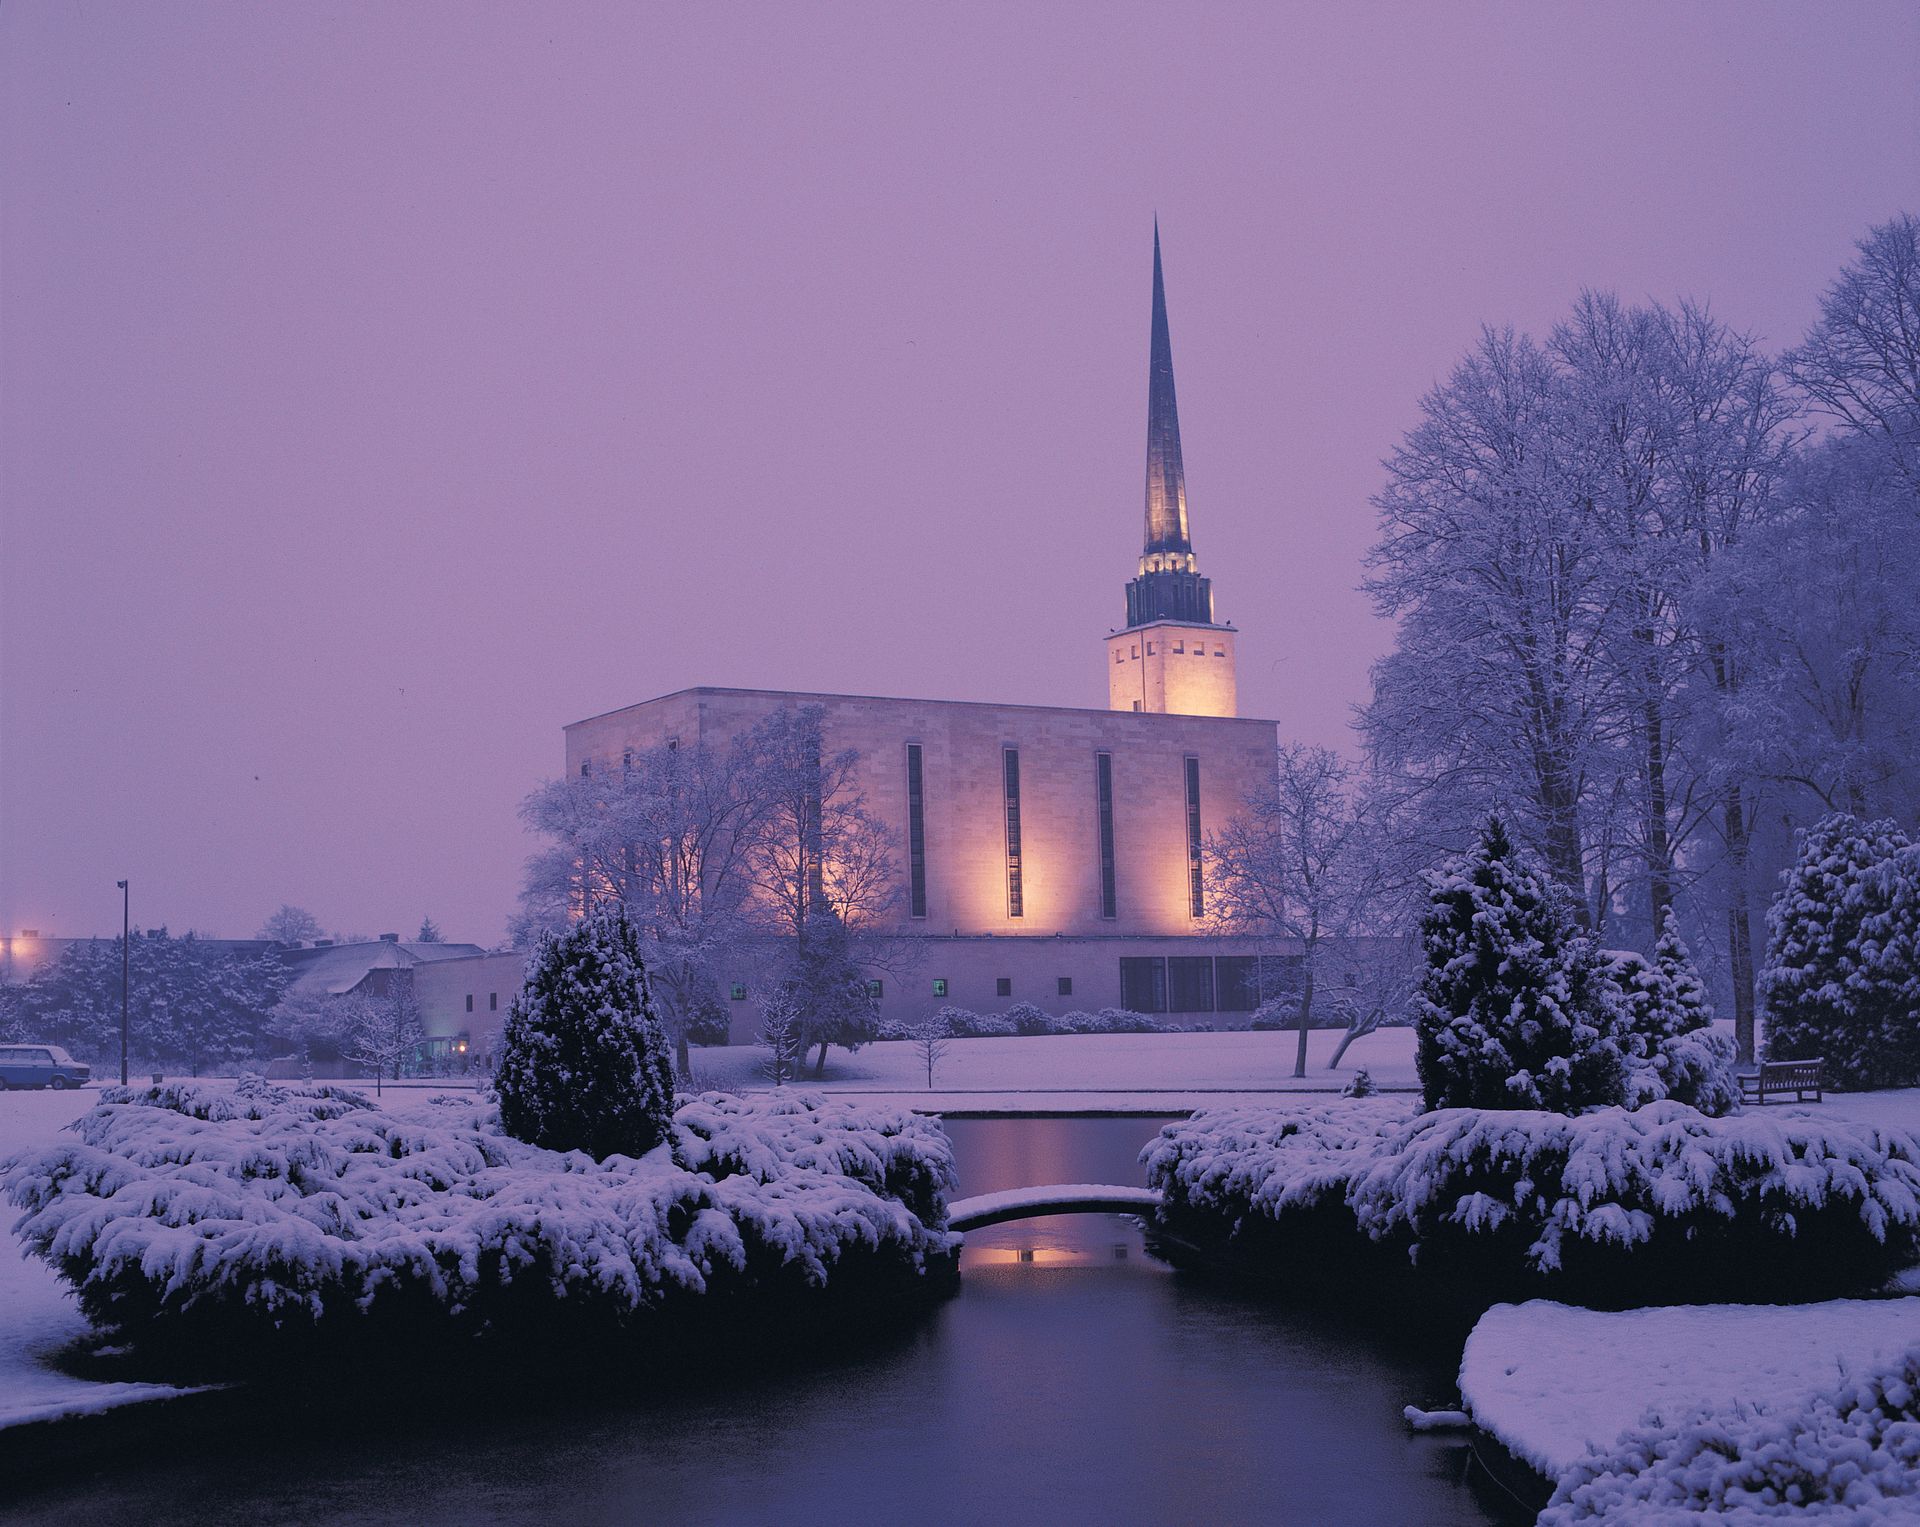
[(336, 970)]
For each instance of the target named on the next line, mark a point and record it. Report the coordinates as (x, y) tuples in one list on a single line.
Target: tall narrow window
[(1196, 890), (916, 836), (1103, 793), (1010, 763)]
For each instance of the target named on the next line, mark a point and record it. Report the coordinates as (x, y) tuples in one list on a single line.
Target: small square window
[(1065, 984), (1003, 986), (876, 990), (1219, 651), (586, 768), (1119, 656), (469, 1001), (1179, 646), (493, 1001), (738, 991), (939, 986)]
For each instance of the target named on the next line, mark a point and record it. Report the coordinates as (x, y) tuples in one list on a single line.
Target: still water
[(1074, 1379)]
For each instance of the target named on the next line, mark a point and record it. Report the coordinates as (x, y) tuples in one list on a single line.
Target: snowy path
[(1082, 1064), (1551, 1381)]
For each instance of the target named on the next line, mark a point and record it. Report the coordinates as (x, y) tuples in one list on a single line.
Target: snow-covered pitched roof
[(339, 968)]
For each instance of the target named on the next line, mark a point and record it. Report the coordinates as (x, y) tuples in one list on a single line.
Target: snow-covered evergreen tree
[(584, 1064), (1672, 1049), (1515, 1009), (1842, 979)]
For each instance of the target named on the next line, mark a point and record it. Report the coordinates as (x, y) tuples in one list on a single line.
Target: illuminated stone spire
[(1166, 478), (1169, 586)]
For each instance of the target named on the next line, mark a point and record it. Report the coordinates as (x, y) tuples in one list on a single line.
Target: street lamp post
[(126, 971)]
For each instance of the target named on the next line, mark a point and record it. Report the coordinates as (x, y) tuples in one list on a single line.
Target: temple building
[(1047, 854)]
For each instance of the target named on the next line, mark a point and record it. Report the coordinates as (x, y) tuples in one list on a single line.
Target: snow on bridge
[(1057, 1198)]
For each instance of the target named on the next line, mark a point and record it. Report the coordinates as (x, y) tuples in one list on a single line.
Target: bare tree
[(1285, 865), (291, 925), (930, 1037), (1861, 361), (383, 1032)]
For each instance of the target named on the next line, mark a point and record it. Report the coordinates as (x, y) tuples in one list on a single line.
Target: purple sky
[(385, 386)]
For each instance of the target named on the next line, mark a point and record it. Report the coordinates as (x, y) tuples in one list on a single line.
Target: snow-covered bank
[(251, 1221), (39, 1317), (1614, 1207), (1240, 1061), (1553, 1382)]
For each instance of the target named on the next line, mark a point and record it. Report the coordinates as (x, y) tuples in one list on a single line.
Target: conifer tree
[(1515, 1009), (584, 1064), (1672, 1049), (1842, 977)]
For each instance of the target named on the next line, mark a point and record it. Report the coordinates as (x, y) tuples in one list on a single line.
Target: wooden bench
[(1799, 1077)]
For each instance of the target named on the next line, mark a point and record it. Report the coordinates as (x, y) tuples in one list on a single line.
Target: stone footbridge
[(1058, 1198)]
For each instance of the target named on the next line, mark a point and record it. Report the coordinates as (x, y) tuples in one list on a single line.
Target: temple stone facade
[(1048, 855)]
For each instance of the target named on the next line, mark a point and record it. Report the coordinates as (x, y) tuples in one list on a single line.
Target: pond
[(1075, 1378)]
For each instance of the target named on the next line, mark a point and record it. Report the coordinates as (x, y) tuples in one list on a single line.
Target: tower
[(1171, 656)]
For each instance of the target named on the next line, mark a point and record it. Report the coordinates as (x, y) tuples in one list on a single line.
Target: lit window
[(738, 991), (1065, 984), (1003, 986), (939, 986), (1010, 775), (876, 990)]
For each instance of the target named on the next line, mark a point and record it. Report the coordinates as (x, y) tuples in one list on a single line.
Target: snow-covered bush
[(1281, 1012), (1515, 1009), (1672, 1050), (1609, 1207), (964, 1024), (248, 1226), (1359, 1085), (1029, 1020), (1852, 1454), (584, 1064), (1842, 975)]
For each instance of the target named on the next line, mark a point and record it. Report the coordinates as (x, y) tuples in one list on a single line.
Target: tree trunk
[(1306, 1018), (820, 1061), (1739, 925), (681, 1057), (1659, 848)]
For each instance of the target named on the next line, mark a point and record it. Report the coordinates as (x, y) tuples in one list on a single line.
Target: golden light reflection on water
[(1045, 1256)]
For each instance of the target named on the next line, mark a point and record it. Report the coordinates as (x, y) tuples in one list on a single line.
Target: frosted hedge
[(1852, 1455), (1612, 1207), (255, 1222)]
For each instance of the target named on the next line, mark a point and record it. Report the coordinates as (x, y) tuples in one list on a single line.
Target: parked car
[(40, 1066)]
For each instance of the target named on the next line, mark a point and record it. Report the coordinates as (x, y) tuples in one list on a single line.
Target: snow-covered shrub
[(1851, 1454), (1672, 1050), (1281, 1012), (1609, 1207), (964, 1024), (584, 1063), (1842, 975), (1124, 1020), (1515, 1009), (1359, 1085), (246, 1227), (1029, 1020)]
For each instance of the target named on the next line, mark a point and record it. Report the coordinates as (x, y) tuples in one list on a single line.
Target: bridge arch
[(1057, 1198)]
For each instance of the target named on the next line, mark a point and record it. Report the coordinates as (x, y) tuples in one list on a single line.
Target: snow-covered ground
[(1552, 1381), (1081, 1064), (38, 1316)]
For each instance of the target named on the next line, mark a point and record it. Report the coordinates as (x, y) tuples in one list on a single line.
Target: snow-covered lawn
[(1089, 1063), (38, 1315), (1553, 1381)]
